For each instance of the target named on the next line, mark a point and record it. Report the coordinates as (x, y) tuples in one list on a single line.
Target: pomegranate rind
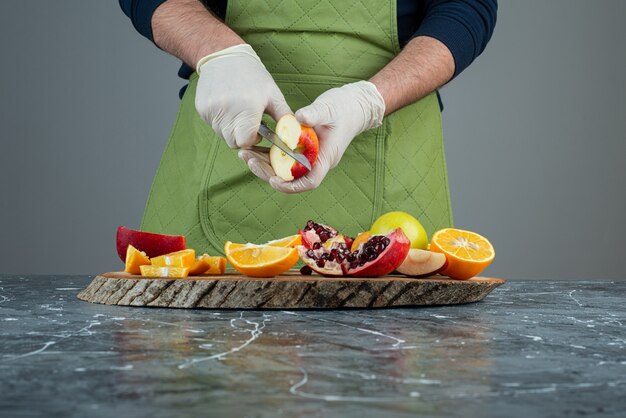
[(387, 261)]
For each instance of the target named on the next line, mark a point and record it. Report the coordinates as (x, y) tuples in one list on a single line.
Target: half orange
[(467, 253), (260, 260)]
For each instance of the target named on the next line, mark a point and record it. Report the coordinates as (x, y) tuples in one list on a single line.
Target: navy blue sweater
[(464, 26)]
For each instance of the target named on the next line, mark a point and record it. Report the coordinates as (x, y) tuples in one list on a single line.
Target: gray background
[(535, 136)]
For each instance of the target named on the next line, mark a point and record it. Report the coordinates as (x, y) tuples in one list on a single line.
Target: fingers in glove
[(304, 184), (317, 113), (278, 107), (261, 168), (246, 131), (262, 153), (258, 161)]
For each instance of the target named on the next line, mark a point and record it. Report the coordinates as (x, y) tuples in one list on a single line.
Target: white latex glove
[(338, 115), (233, 92)]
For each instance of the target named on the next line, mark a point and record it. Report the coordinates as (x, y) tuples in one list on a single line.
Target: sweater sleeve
[(140, 13), (464, 26)]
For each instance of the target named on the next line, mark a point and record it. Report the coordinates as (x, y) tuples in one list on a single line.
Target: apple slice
[(300, 138), (422, 263), (153, 245)]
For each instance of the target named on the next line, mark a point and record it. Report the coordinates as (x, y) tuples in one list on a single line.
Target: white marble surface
[(530, 349)]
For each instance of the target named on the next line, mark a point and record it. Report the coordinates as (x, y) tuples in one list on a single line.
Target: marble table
[(530, 349)]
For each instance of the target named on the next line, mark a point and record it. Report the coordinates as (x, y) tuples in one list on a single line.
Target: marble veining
[(530, 349)]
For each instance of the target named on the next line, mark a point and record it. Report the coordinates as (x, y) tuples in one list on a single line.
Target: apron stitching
[(363, 210), (250, 212), (446, 185), (227, 15), (303, 41), (300, 39), (284, 56), (287, 78), (169, 196), (170, 142), (278, 220), (230, 198), (340, 15), (367, 161), (355, 60), (207, 226), (366, 9), (364, 52), (393, 22), (379, 171), (302, 15), (422, 179)]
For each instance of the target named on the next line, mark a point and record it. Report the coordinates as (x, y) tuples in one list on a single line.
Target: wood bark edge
[(284, 293)]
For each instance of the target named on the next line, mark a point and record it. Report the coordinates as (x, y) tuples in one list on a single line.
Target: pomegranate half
[(314, 233), (378, 256)]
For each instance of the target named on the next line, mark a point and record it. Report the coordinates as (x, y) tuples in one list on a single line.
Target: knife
[(271, 136)]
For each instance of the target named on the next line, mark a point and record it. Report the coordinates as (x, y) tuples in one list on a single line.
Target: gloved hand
[(338, 115), (233, 92)]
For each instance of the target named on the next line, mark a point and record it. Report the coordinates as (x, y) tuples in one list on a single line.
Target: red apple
[(422, 263), (300, 138), (151, 244)]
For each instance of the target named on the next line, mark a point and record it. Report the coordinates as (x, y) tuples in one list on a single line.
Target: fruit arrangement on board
[(395, 243)]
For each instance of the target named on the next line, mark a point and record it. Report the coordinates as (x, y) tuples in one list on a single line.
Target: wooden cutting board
[(288, 291)]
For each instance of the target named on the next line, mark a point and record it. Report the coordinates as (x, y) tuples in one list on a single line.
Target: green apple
[(411, 227)]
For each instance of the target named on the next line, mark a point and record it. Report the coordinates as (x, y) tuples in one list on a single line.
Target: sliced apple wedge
[(299, 138), (422, 263), (152, 244)]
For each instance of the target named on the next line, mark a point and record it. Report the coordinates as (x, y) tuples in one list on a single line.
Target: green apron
[(204, 191)]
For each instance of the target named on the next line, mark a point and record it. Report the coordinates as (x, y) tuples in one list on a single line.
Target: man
[(363, 74)]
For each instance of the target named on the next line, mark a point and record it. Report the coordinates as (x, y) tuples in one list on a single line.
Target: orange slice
[(207, 264), (156, 271), (134, 260), (288, 242), (467, 253), (291, 241), (182, 258), (360, 239), (260, 260)]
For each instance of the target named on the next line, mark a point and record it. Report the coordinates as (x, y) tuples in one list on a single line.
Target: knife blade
[(271, 136)]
